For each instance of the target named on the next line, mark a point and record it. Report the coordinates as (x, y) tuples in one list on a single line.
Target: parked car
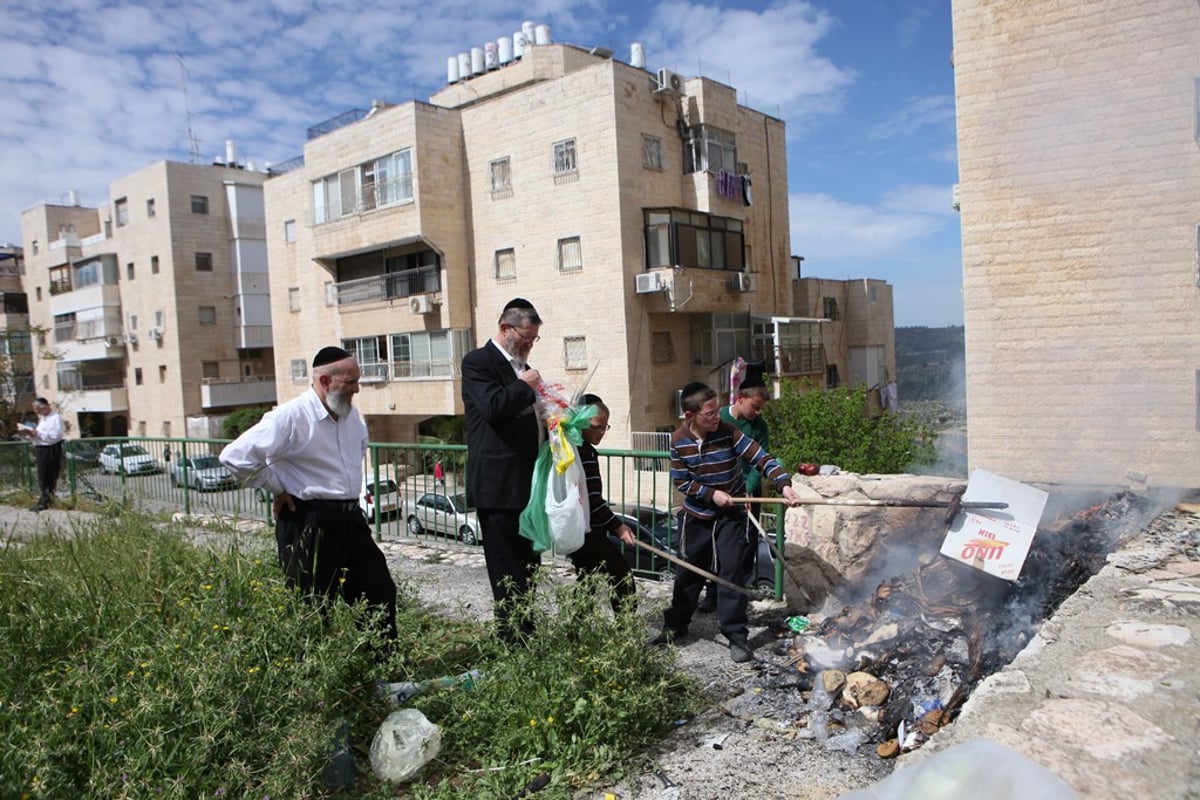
[(446, 514), (642, 561), (128, 459), (203, 473), (385, 494), (85, 454)]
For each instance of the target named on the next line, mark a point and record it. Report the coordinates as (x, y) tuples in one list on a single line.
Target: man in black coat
[(499, 392)]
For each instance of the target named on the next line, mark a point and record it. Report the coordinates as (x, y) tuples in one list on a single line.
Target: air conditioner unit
[(745, 282), (112, 341), (669, 82), (130, 338), (648, 282), (420, 304), (155, 333)]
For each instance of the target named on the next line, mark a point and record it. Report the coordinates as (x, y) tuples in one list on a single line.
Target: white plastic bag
[(405, 742), (566, 507)]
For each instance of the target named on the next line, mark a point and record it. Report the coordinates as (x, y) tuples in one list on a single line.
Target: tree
[(833, 426)]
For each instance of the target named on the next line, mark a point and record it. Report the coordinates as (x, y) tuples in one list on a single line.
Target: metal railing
[(399, 495)]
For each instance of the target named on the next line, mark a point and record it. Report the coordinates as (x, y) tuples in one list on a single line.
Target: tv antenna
[(193, 142)]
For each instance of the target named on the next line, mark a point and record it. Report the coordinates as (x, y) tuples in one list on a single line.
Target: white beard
[(339, 403)]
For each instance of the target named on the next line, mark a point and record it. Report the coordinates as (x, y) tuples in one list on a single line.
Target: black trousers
[(719, 546), (511, 563), (49, 463), (331, 553), (599, 555)]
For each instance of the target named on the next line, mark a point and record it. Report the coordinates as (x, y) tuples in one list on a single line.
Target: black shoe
[(37, 508), (707, 604), (740, 651), (667, 636)]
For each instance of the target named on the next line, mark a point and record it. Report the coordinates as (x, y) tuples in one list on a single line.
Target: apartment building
[(644, 214), (150, 313), (16, 358), (1079, 168), (857, 328)]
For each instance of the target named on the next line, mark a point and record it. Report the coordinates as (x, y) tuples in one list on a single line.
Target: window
[(204, 262), (38, 293), (160, 319), (570, 255), (709, 149), (289, 230), (153, 265), (652, 157), (830, 310), (150, 211), (371, 353), (429, 354), (133, 320), (330, 293), (387, 181), (34, 246), (564, 157), (575, 352), (162, 373), (506, 264), (210, 370), (299, 369), (129, 271), (199, 204), (831, 376), (678, 237), (122, 209), (64, 327), (718, 338), (207, 315), (293, 298), (500, 178), (137, 375)]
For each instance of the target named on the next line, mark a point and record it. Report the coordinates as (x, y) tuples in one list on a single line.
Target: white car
[(127, 459), (446, 514), (384, 495), (203, 473)]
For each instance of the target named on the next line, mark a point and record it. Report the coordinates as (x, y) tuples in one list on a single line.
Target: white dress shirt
[(49, 430), (299, 448)]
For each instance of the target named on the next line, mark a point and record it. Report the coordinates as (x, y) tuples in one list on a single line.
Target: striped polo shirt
[(700, 468)]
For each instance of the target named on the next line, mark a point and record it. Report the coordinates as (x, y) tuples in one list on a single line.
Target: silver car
[(203, 473), (446, 514)]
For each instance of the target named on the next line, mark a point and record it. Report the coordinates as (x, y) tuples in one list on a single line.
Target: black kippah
[(329, 355), (693, 388), (518, 302)]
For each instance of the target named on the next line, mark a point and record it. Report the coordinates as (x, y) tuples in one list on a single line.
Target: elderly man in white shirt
[(47, 440), (308, 453)]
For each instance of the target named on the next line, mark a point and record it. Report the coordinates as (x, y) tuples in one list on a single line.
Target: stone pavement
[(1107, 695)]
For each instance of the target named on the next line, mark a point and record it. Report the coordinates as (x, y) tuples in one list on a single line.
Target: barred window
[(652, 152), (299, 369), (500, 178), (570, 254), (506, 264), (564, 157), (575, 352), (293, 298)]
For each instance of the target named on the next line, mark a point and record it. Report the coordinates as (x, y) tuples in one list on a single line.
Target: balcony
[(100, 398), (68, 299), (250, 336), (249, 391), (389, 286)]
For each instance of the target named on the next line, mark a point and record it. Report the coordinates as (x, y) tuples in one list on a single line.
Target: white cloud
[(826, 229), (916, 114)]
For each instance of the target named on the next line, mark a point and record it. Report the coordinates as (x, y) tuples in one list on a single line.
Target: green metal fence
[(401, 494)]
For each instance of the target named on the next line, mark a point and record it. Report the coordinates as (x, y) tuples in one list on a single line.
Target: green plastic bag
[(535, 525)]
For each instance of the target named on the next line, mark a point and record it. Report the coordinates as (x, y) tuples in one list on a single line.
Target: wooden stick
[(829, 501), (702, 572)]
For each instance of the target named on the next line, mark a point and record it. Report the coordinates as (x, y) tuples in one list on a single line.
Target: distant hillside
[(929, 365)]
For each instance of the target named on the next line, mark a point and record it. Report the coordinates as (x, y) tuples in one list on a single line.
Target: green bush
[(139, 666), (242, 420), (832, 426)]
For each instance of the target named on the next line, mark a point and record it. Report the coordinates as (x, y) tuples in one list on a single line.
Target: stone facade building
[(1079, 168), (150, 314), (644, 214)]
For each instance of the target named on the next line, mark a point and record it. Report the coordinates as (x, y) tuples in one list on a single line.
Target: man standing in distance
[(47, 440), (499, 390), (308, 453)]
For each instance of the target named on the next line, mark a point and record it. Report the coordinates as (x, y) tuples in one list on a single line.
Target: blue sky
[(93, 90)]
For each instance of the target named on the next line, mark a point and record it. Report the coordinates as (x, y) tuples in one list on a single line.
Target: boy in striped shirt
[(706, 468)]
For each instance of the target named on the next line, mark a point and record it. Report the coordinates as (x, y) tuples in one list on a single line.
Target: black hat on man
[(518, 302), (692, 388), (329, 355), (755, 375)]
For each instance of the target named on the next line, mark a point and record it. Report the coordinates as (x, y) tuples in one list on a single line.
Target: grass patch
[(136, 665)]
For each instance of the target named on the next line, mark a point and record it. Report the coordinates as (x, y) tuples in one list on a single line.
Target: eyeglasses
[(716, 412), (525, 337)]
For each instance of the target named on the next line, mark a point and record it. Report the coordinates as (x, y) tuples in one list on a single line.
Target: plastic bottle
[(403, 691)]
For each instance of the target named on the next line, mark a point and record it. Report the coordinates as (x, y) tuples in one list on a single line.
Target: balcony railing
[(367, 198), (389, 286), (249, 390)]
